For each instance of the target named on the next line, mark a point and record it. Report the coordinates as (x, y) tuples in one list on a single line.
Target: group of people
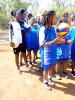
[(27, 34), (23, 37)]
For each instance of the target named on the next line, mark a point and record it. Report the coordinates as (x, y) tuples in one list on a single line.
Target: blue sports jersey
[(72, 32), (63, 50), (24, 30), (50, 53), (32, 40)]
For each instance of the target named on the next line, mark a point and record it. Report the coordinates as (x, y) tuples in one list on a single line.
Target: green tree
[(6, 6)]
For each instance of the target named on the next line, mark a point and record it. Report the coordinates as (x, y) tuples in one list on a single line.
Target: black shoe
[(72, 72)]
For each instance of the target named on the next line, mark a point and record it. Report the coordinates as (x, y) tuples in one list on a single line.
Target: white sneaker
[(51, 82), (58, 77), (34, 63), (18, 71), (30, 67), (47, 86)]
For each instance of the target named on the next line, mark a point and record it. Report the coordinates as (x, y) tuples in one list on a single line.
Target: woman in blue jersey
[(72, 31), (32, 41), (63, 53), (50, 47), (24, 30)]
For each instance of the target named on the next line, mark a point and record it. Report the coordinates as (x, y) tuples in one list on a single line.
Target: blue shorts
[(47, 67), (62, 59)]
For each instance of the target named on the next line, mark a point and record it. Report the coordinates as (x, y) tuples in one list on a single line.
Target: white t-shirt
[(41, 35), (26, 25), (17, 36)]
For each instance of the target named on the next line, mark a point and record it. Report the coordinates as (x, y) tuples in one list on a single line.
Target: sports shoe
[(30, 67), (34, 63), (47, 86), (65, 75), (73, 73), (18, 71), (58, 77), (51, 82)]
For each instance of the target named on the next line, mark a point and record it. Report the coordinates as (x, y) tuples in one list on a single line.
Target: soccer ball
[(63, 29)]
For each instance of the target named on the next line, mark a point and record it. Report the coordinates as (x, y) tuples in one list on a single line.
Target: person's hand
[(51, 42), (57, 39), (12, 44), (60, 40), (46, 44)]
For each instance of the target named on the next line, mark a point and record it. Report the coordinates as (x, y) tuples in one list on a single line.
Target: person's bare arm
[(51, 42)]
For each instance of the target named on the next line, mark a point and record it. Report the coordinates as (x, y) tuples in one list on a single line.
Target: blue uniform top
[(50, 35), (32, 39), (24, 29), (63, 50), (72, 32)]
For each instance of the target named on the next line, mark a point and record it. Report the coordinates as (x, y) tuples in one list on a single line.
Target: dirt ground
[(28, 85)]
